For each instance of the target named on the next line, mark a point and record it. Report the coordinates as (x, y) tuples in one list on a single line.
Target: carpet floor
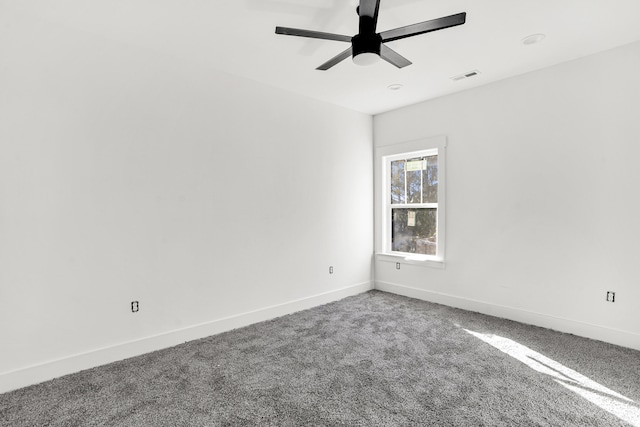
[(374, 359)]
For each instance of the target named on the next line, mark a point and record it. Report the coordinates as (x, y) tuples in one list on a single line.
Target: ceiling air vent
[(465, 75)]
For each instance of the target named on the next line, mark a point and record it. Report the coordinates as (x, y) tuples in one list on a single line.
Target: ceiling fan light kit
[(366, 58), (368, 46)]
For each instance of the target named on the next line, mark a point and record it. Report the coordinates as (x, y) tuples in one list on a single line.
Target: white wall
[(125, 175), (542, 197)]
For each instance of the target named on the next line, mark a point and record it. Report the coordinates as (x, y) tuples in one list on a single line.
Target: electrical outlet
[(611, 296), (331, 270), (397, 266), (135, 306)]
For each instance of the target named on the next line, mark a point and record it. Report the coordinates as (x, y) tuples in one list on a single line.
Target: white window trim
[(383, 155)]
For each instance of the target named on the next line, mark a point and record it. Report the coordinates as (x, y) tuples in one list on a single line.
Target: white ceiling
[(237, 36)]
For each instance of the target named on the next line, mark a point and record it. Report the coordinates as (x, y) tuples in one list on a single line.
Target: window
[(410, 194), (413, 203)]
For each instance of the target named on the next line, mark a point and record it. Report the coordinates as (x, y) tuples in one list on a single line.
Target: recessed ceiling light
[(533, 39), (395, 86)]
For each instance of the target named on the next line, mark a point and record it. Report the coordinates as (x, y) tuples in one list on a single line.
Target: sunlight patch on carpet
[(607, 399)]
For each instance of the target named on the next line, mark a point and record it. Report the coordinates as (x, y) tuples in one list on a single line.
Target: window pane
[(397, 182), (414, 180), (430, 180), (414, 231)]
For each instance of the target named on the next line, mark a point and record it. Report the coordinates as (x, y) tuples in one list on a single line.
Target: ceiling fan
[(367, 46)]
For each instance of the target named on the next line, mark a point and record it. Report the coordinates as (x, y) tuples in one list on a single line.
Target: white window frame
[(384, 155)]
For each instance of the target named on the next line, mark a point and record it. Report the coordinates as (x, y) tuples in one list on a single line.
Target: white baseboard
[(587, 330), (56, 368)]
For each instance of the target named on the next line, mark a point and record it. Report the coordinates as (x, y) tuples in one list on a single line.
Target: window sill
[(412, 260)]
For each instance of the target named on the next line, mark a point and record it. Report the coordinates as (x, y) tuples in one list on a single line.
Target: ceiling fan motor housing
[(366, 41)]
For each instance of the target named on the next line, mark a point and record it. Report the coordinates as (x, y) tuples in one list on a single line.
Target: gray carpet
[(368, 360)]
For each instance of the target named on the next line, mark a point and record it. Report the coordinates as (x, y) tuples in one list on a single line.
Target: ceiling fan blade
[(333, 61), (424, 27), (312, 34), (393, 57), (369, 8)]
